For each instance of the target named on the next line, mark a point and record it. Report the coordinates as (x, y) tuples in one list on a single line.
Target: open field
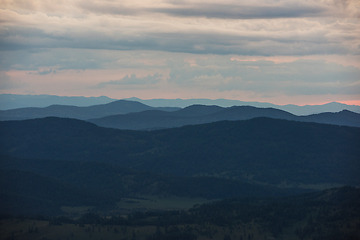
[(329, 214), (26, 229), (160, 203), (34, 229), (142, 203)]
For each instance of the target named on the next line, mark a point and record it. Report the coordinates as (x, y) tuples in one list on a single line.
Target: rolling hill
[(260, 150), (74, 183)]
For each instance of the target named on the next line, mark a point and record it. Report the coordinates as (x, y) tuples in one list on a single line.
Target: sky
[(278, 51)]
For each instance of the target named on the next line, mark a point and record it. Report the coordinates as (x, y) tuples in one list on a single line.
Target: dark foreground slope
[(29, 193), (32, 186), (200, 114), (331, 214), (262, 150)]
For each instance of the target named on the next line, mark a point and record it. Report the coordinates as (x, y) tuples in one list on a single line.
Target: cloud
[(314, 40), (189, 44), (43, 72), (133, 80), (105, 7), (264, 28), (301, 77), (7, 83), (225, 11), (55, 59)]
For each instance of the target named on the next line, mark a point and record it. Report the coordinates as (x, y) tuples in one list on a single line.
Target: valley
[(267, 176), (329, 214)]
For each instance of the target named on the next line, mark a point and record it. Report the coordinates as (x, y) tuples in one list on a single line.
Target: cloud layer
[(187, 44), (263, 28)]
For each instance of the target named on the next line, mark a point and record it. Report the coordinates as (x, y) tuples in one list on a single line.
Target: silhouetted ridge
[(248, 112), (199, 114), (83, 113), (197, 110)]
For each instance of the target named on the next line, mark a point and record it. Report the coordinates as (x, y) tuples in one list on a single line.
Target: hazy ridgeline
[(132, 115)]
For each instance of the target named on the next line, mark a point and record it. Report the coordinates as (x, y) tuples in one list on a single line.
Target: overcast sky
[(278, 51)]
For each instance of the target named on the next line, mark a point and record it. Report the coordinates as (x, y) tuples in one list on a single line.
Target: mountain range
[(68, 155), (125, 114), (12, 101), (291, 108), (95, 111), (200, 114)]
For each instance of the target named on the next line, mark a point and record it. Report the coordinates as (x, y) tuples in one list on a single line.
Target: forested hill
[(38, 186), (262, 149)]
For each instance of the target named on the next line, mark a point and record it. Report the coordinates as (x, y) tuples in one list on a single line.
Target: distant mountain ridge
[(291, 108), (125, 114), (95, 111), (12, 101), (200, 114)]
